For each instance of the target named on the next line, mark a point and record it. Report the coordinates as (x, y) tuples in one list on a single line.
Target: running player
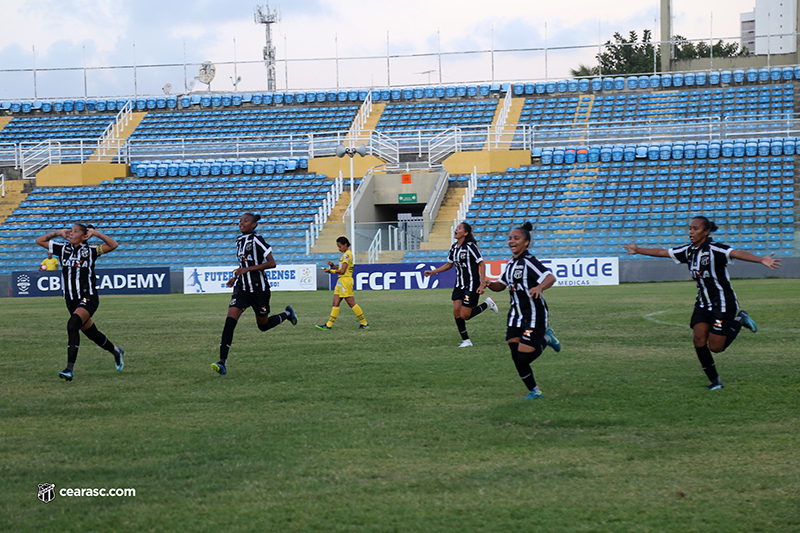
[(344, 286), (80, 291), (250, 287), (715, 322), (470, 277), (527, 333)]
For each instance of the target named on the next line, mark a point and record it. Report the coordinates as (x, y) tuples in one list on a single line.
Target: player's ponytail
[(707, 224), (343, 240), (255, 218), (526, 229), (469, 237)]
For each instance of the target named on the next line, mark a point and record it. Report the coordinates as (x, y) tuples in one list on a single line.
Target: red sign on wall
[(406, 179)]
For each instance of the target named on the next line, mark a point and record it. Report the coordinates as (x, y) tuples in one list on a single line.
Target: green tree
[(631, 56), (583, 71)]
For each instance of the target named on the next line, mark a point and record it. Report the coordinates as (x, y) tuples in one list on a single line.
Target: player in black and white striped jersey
[(715, 322), (250, 287), (470, 275), (527, 331), (78, 260)]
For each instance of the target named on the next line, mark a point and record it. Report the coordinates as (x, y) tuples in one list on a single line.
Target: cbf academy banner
[(109, 281), (199, 280), (406, 276)]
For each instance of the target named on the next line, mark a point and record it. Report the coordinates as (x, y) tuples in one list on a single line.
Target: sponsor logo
[(47, 492), (23, 283), (233, 302)]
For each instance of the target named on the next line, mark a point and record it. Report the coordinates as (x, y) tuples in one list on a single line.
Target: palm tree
[(583, 71)]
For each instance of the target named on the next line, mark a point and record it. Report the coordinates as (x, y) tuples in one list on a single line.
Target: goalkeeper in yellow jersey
[(344, 286)]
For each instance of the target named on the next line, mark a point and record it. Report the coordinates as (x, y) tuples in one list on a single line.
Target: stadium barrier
[(205, 279)]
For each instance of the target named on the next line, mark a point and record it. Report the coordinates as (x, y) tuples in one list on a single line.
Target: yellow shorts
[(344, 288)]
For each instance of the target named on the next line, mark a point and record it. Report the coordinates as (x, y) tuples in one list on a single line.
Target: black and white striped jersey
[(252, 250), (467, 259), (77, 268), (708, 265), (521, 275)]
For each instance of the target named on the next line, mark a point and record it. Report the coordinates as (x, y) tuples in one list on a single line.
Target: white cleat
[(466, 344), (491, 305)]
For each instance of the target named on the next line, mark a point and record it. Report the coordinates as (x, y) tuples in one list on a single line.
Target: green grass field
[(397, 429)]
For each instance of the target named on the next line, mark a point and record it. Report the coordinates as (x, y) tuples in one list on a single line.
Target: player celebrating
[(80, 291), (250, 287), (715, 322), (344, 286), (470, 278), (527, 332)]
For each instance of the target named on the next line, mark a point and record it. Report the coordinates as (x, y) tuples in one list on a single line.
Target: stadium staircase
[(15, 194), (514, 112), (4, 122), (441, 237), (333, 229), (123, 135)]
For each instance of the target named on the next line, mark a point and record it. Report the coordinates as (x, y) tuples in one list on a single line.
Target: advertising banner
[(406, 276), (399, 276), (569, 272), (200, 280), (109, 281)]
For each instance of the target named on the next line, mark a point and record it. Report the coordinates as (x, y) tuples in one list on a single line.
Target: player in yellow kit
[(344, 286)]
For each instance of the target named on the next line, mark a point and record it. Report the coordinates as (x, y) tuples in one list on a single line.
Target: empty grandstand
[(592, 162)]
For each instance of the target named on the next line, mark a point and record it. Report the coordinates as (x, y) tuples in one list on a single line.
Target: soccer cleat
[(323, 326), (363, 326), (716, 385), (466, 344), (219, 367), (553, 342), (292, 316), (534, 395), (118, 358), (747, 322), (491, 305), (65, 375)]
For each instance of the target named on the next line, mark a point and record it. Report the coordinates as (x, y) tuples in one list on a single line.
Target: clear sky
[(119, 33)]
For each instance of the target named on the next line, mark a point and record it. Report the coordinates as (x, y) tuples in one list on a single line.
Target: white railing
[(375, 248), (9, 155), (384, 147), (111, 141), (323, 212), (357, 130), (433, 204), (466, 200), (38, 156), (502, 118), (442, 145), (3, 185)]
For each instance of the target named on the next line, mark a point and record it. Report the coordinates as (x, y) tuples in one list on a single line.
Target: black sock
[(227, 339), (478, 310), (523, 368), (707, 362), (736, 327), (461, 324), (273, 321), (73, 340), (94, 335)]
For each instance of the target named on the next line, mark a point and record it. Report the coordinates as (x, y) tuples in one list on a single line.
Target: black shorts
[(90, 304), (527, 336), (720, 323), (259, 301), (468, 298)]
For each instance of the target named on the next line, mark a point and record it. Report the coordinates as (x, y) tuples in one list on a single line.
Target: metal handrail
[(375, 248)]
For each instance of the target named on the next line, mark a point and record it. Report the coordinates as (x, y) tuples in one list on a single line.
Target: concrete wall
[(71, 175), (387, 187)]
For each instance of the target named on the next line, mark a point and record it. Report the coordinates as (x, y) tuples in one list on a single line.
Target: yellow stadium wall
[(79, 174), (486, 161), (330, 166)]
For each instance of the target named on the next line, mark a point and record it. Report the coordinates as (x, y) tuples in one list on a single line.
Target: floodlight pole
[(351, 152)]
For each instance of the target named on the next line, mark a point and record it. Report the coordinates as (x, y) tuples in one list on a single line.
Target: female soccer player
[(77, 266), (250, 287), (344, 287), (470, 276), (527, 333), (714, 322)]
